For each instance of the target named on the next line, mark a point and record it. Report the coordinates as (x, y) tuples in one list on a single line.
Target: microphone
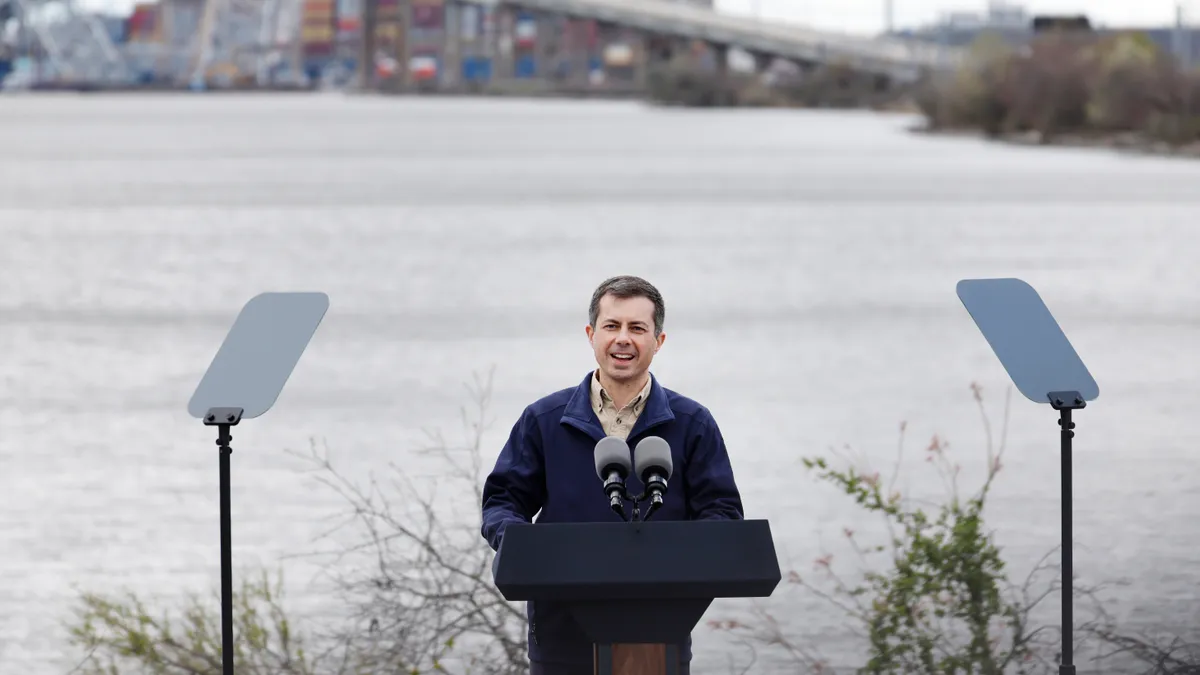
[(613, 467), (652, 463)]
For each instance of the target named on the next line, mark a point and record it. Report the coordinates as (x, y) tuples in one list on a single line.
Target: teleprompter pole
[(1064, 402), (224, 419)]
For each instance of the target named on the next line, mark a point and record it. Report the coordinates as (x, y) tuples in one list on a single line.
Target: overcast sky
[(868, 15)]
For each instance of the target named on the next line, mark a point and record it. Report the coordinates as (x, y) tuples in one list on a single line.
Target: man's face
[(623, 338)]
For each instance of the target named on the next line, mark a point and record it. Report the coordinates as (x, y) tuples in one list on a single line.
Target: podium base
[(636, 659)]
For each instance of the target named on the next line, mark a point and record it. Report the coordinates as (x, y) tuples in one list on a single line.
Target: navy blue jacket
[(547, 466)]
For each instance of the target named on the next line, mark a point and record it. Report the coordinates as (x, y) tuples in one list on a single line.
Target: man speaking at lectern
[(546, 468)]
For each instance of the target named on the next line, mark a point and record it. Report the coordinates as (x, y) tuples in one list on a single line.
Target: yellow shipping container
[(317, 34)]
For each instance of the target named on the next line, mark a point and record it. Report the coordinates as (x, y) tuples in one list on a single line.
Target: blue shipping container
[(477, 69), (526, 67)]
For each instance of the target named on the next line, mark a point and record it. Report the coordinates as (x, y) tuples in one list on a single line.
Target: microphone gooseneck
[(614, 487), (655, 487)]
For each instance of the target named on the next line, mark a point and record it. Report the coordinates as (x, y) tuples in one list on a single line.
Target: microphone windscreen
[(652, 453), (611, 452)]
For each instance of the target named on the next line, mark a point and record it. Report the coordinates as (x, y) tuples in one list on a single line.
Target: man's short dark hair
[(629, 287)]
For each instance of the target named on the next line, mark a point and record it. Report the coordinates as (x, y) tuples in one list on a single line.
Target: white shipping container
[(618, 55)]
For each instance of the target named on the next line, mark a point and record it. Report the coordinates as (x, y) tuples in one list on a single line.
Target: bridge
[(897, 58)]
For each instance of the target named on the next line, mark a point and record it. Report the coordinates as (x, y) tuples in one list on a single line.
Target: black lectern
[(637, 583)]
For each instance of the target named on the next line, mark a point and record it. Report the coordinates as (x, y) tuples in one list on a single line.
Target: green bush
[(972, 95), (1076, 85), (939, 602), (682, 82), (121, 635)]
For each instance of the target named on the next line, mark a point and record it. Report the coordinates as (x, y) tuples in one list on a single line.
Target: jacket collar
[(580, 415)]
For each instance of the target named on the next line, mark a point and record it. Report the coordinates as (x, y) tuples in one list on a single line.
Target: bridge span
[(896, 58)]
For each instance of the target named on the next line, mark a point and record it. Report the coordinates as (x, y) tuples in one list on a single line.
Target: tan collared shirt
[(617, 422)]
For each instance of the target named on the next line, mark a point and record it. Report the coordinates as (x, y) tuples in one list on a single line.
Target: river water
[(808, 260)]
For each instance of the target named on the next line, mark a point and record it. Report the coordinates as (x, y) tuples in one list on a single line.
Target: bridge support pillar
[(762, 61), (638, 59), (720, 60), (661, 50), (578, 54), (504, 59), (658, 50)]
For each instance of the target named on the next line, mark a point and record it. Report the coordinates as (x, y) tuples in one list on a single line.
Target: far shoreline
[(1127, 143)]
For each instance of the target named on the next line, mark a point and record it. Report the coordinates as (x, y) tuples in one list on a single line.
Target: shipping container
[(423, 68), (525, 31), (144, 24), (618, 55), (526, 66), (428, 14), (477, 69)]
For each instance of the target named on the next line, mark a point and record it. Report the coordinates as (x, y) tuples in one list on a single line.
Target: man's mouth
[(625, 358)]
